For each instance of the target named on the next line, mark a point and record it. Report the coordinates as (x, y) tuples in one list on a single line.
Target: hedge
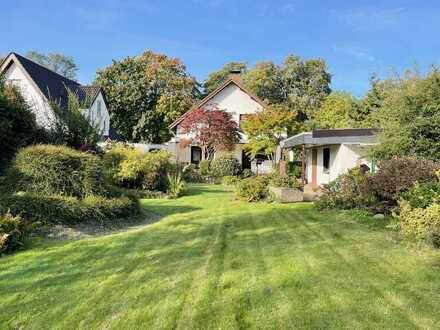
[(57, 170), (67, 209)]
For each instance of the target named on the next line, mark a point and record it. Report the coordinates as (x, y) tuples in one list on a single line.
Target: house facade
[(232, 97), (40, 86), (328, 153)]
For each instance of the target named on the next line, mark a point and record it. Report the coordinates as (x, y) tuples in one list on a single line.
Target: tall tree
[(335, 111), (266, 129), (410, 117), (147, 93), (216, 78), (213, 130), (265, 80), (62, 64)]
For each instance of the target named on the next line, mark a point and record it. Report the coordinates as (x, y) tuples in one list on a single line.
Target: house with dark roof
[(41, 86), (231, 96), (328, 153)]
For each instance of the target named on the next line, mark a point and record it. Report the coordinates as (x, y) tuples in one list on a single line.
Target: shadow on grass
[(151, 267)]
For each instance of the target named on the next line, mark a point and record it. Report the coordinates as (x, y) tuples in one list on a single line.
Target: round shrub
[(252, 189), (129, 168), (191, 174), (277, 180), (48, 170), (423, 195), (225, 165)]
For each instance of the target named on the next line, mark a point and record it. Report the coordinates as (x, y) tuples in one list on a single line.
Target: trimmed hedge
[(57, 170), (67, 209)]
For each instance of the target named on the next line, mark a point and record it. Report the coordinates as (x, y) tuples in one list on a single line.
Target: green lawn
[(216, 263)]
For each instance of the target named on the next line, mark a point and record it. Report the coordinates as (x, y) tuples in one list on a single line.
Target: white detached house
[(39, 86), (231, 96)]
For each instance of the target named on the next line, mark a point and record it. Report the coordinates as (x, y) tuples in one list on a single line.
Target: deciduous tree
[(216, 78), (212, 129), (62, 64), (266, 129), (146, 93)]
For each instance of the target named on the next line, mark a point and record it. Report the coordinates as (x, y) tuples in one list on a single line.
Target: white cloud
[(357, 52), (373, 19)]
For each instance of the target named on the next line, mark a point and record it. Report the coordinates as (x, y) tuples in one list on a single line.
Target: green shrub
[(421, 223), (191, 174), (18, 127), (129, 168), (59, 170), (176, 185), (348, 191), (284, 181), (423, 195), (230, 180), (204, 167), (13, 231), (252, 189), (113, 157), (224, 165), (293, 169), (67, 209)]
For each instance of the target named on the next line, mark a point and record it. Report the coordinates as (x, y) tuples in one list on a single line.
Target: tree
[(365, 114), (410, 117), (265, 80), (64, 65), (212, 129), (266, 129), (146, 94), (70, 126), (216, 78), (18, 126), (335, 111)]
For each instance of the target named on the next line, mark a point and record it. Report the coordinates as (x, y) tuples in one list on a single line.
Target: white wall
[(342, 158), (39, 105), (102, 122)]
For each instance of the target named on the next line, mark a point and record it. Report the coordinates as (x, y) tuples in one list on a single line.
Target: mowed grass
[(212, 262)]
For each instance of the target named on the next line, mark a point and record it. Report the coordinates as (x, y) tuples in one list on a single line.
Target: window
[(326, 159), (98, 105)]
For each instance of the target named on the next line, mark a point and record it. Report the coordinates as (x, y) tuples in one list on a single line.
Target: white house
[(39, 86), (231, 96), (327, 153)]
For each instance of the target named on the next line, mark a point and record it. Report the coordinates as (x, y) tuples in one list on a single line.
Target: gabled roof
[(332, 136), (226, 83), (51, 84)]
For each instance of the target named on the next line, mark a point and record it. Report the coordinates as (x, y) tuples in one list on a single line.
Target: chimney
[(235, 74)]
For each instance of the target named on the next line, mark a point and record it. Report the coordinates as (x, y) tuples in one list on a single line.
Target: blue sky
[(356, 38)]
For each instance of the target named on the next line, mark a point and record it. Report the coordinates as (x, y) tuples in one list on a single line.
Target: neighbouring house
[(327, 153), (231, 96), (40, 86)]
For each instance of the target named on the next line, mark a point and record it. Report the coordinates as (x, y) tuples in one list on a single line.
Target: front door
[(314, 167)]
